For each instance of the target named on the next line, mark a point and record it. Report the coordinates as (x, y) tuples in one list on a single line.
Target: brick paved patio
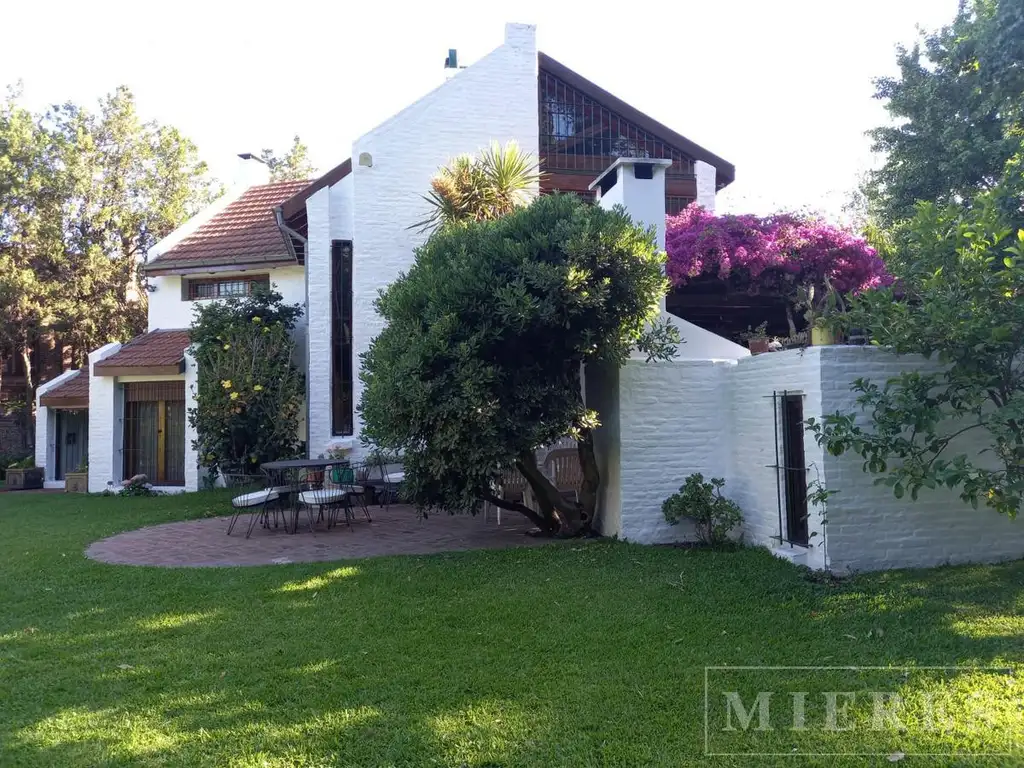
[(398, 531)]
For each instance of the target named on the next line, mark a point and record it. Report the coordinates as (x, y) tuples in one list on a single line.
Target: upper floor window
[(224, 287)]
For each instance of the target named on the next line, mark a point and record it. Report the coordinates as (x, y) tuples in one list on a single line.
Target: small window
[(222, 288)]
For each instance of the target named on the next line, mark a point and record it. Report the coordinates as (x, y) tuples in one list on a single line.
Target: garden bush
[(250, 393), (713, 514)]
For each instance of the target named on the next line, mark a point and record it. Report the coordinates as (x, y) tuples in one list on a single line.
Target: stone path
[(397, 531)]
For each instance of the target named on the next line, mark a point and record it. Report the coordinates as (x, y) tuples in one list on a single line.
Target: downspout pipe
[(288, 233)]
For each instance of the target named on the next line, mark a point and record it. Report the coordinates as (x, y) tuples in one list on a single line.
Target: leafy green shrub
[(250, 394), (479, 362), (15, 461), (961, 278), (713, 515)]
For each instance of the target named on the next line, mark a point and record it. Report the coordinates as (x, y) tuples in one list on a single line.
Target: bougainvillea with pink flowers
[(772, 254)]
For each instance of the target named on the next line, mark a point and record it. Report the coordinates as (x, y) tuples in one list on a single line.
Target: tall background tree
[(947, 208), (957, 112), (83, 195), (294, 165)]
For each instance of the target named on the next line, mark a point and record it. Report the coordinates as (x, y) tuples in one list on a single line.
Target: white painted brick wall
[(753, 483), (167, 310), (705, 185), (673, 420), (868, 527), (601, 387), (105, 412), (495, 99), (713, 417), (318, 265)]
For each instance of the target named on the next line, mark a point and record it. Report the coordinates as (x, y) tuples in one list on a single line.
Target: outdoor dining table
[(288, 473)]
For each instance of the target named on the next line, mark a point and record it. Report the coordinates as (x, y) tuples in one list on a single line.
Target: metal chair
[(256, 497), (391, 477), (331, 493)]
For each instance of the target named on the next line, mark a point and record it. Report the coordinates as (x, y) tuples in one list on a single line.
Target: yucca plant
[(487, 186)]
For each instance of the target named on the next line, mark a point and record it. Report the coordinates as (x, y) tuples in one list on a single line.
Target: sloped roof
[(159, 352), (245, 233), (725, 172), (297, 203), (73, 392)]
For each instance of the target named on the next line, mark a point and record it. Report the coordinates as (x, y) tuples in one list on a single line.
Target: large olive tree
[(487, 337)]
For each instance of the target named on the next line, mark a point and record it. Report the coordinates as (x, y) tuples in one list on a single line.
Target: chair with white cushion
[(255, 498), (332, 494)]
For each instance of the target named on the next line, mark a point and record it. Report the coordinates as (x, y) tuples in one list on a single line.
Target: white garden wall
[(495, 99), (753, 483), (673, 420), (868, 527), (719, 418)]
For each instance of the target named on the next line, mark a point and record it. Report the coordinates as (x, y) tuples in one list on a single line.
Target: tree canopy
[(83, 195), (486, 338), (249, 395), (957, 108), (488, 185), (294, 165), (958, 301), (802, 259)]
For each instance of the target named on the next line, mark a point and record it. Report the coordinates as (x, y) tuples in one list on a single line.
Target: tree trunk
[(28, 415), (591, 475), (567, 518), (789, 319)]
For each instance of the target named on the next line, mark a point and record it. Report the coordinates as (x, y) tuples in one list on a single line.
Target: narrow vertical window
[(341, 337), (794, 469)]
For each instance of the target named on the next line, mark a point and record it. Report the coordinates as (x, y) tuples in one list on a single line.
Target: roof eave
[(173, 369), (211, 266), (297, 202)]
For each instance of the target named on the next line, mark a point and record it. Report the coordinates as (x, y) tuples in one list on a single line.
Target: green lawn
[(575, 654)]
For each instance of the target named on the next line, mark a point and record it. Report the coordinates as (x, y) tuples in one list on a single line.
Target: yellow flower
[(226, 383), (227, 346), (266, 330), (257, 319), (234, 395), (258, 388)]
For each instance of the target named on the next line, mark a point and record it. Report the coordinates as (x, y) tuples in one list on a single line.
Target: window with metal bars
[(579, 134), (222, 288), (675, 204)]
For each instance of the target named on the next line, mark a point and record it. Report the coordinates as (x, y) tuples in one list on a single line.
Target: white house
[(332, 243)]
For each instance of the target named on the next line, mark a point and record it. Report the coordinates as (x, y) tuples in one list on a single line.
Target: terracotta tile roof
[(74, 389), (162, 348), (244, 233)]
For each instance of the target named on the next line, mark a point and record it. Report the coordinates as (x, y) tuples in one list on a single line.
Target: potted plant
[(24, 475), (818, 304), (757, 339), (77, 481)]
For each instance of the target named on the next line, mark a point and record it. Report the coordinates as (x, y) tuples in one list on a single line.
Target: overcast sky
[(782, 89)]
